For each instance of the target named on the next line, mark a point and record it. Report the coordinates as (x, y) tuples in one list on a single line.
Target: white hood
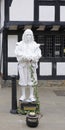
[(27, 49), (28, 33)]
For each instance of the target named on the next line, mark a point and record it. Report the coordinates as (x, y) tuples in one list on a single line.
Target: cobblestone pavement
[(52, 106)]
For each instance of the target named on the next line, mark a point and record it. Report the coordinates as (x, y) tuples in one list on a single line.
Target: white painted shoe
[(22, 98), (31, 99)]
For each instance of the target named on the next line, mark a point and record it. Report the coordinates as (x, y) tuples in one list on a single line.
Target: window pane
[(49, 45), (57, 46), (40, 40), (64, 46)]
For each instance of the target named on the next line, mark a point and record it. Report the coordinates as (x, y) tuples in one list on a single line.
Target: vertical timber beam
[(6, 11), (4, 48), (57, 11), (36, 11)]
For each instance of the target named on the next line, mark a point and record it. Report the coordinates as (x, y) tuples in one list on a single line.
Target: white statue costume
[(27, 53)]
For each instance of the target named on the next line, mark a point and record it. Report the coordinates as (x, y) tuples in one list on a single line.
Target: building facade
[(46, 18)]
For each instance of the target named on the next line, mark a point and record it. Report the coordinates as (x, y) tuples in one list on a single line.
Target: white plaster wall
[(12, 39), (46, 13), (60, 68), (2, 12), (22, 10), (45, 69), (62, 13), (12, 68)]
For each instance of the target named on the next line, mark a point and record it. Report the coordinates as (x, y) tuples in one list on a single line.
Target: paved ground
[(52, 108)]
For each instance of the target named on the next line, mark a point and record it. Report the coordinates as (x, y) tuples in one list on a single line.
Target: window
[(57, 46), (64, 45), (49, 45), (40, 40), (52, 45)]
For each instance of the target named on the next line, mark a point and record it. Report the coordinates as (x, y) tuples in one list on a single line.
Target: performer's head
[(28, 36)]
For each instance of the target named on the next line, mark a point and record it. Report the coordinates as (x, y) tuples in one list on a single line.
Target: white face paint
[(28, 36)]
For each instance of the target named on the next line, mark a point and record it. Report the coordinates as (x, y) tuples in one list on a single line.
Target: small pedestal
[(25, 107)]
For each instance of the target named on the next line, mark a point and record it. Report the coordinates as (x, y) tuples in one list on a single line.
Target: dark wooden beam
[(62, 28), (34, 28), (48, 28)]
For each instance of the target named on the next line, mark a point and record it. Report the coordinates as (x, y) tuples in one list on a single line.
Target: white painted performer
[(27, 53)]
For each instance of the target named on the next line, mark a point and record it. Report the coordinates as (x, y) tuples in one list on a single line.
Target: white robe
[(27, 54)]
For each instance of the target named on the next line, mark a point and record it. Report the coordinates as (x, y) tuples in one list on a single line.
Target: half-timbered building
[(46, 18)]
